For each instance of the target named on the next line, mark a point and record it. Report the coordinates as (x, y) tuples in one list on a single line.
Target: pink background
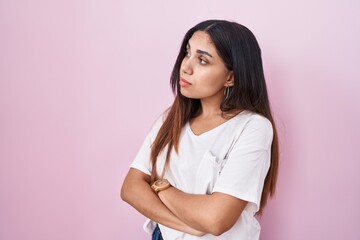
[(81, 82)]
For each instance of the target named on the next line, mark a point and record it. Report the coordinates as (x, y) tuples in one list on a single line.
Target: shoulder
[(253, 120), (160, 120), (157, 123), (254, 126), (257, 121)]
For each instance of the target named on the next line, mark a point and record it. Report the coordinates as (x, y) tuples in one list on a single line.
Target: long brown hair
[(239, 50)]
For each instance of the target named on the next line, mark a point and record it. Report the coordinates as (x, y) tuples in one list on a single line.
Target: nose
[(186, 66)]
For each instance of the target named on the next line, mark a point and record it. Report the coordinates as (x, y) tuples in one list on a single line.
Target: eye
[(202, 61)]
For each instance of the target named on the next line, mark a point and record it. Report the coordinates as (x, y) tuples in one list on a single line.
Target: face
[(203, 74)]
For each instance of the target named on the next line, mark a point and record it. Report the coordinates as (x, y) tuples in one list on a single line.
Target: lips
[(184, 83)]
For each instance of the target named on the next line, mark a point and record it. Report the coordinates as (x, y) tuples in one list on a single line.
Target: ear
[(230, 81)]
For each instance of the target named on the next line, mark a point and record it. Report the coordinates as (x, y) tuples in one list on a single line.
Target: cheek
[(213, 79)]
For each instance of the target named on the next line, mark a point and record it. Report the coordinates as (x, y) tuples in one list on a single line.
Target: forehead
[(201, 40)]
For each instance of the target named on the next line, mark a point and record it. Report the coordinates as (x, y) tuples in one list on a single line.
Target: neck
[(211, 106)]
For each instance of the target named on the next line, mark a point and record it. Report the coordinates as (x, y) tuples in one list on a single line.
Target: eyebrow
[(201, 51)]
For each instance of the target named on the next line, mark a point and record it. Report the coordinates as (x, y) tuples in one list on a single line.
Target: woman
[(210, 161)]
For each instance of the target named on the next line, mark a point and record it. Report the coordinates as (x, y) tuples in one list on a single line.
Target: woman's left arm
[(242, 178), (214, 214)]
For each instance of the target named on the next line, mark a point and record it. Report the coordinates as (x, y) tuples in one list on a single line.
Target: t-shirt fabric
[(232, 158)]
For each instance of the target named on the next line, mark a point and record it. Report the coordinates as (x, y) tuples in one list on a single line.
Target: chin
[(188, 95)]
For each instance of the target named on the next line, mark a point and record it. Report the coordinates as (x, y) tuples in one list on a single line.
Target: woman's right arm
[(137, 192)]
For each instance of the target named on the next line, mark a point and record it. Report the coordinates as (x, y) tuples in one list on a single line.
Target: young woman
[(210, 161)]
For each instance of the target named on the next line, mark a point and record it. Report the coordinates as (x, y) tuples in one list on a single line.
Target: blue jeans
[(157, 234)]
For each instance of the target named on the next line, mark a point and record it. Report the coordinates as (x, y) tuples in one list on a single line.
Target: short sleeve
[(142, 158), (248, 162)]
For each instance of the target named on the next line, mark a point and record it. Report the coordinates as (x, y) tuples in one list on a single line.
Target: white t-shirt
[(232, 158)]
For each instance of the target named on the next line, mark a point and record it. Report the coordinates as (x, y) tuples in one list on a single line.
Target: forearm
[(139, 194), (213, 214), (188, 208)]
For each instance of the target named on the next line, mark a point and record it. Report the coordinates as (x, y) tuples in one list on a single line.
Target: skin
[(137, 192), (192, 213), (208, 77)]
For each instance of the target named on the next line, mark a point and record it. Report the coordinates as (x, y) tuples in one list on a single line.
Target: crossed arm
[(196, 214)]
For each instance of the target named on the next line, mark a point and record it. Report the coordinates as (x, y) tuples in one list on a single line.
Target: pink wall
[(82, 81)]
